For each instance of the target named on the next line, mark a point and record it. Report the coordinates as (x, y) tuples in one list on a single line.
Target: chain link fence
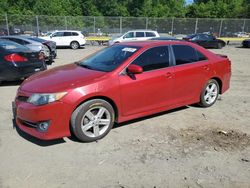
[(36, 25)]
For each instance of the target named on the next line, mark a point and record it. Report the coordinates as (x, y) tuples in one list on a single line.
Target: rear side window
[(139, 34), (184, 54), (200, 56), (150, 34), (67, 34), (154, 58), (74, 34)]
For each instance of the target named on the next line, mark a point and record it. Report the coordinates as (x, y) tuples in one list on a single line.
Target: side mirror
[(134, 69)]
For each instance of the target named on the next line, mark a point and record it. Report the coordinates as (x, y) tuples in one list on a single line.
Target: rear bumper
[(14, 73)]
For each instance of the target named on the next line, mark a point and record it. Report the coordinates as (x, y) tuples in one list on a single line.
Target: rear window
[(37, 39), (150, 34), (9, 45), (139, 34)]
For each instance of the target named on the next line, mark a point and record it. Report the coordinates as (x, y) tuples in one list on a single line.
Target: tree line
[(129, 8)]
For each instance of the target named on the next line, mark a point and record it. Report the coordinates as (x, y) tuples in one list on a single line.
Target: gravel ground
[(186, 147)]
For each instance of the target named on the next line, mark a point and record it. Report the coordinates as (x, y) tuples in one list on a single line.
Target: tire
[(209, 93), (85, 121), (220, 45), (74, 45)]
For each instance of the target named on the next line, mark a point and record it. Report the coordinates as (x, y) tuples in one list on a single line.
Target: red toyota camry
[(119, 83)]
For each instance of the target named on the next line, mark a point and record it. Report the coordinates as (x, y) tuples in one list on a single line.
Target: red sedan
[(119, 83)]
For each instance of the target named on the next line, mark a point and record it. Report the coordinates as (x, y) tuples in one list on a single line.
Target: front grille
[(23, 98)]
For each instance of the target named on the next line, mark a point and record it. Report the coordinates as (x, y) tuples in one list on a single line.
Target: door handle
[(169, 75), (206, 67)]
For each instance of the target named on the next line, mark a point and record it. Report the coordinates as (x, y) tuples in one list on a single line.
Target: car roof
[(148, 43), (66, 31), (142, 30)]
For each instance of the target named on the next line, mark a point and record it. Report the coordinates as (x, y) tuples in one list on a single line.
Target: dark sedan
[(17, 61), (50, 44), (205, 40), (246, 43)]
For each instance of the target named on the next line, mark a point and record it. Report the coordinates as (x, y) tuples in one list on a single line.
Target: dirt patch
[(214, 138)]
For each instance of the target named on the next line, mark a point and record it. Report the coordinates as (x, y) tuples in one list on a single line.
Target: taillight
[(15, 58)]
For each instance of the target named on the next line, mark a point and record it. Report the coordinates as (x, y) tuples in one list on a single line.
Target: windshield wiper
[(86, 66)]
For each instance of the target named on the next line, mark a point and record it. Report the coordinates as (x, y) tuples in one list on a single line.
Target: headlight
[(45, 98)]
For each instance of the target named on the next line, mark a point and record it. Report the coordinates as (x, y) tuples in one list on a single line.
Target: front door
[(151, 89)]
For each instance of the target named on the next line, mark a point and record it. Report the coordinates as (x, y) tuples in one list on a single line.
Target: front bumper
[(27, 116)]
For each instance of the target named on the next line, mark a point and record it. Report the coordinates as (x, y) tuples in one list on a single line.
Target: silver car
[(33, 45)]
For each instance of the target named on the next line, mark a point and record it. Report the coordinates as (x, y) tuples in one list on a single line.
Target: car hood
[(61, 79)]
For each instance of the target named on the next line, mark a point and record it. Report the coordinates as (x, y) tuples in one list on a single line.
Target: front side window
[(186, 54), (58, 34), (129, 35), (139, 34), (110, 58), (154, 58)]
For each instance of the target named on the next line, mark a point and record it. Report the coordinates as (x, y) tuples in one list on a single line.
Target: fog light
[(43, 126)]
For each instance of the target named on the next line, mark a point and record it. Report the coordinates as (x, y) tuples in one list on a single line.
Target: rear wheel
[(209, 94), (74, 45), (92, 120)]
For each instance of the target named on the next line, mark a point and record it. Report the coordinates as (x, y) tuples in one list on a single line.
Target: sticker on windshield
[(129, 49)]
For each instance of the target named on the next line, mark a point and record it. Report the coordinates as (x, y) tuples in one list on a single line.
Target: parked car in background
[(117, 84), (73, 39), (136, 35), (50, 44), (241, 34), (207, 41), (246, 43), (18, 61), (33, 45), (164, 38)]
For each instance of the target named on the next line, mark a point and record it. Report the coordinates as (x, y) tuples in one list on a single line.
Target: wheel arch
[(109, 100), (219, 82)]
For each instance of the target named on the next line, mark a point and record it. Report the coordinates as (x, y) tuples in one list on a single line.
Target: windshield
[(110, 58)]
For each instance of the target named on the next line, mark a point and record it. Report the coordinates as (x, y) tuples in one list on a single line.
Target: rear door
[(140, 35), (152, 88), (192, 70)]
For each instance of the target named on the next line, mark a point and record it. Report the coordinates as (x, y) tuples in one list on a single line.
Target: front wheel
[(92, 120), (210, 93)]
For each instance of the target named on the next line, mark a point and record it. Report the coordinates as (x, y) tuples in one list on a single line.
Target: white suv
[(74, 39), (136, 35)]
